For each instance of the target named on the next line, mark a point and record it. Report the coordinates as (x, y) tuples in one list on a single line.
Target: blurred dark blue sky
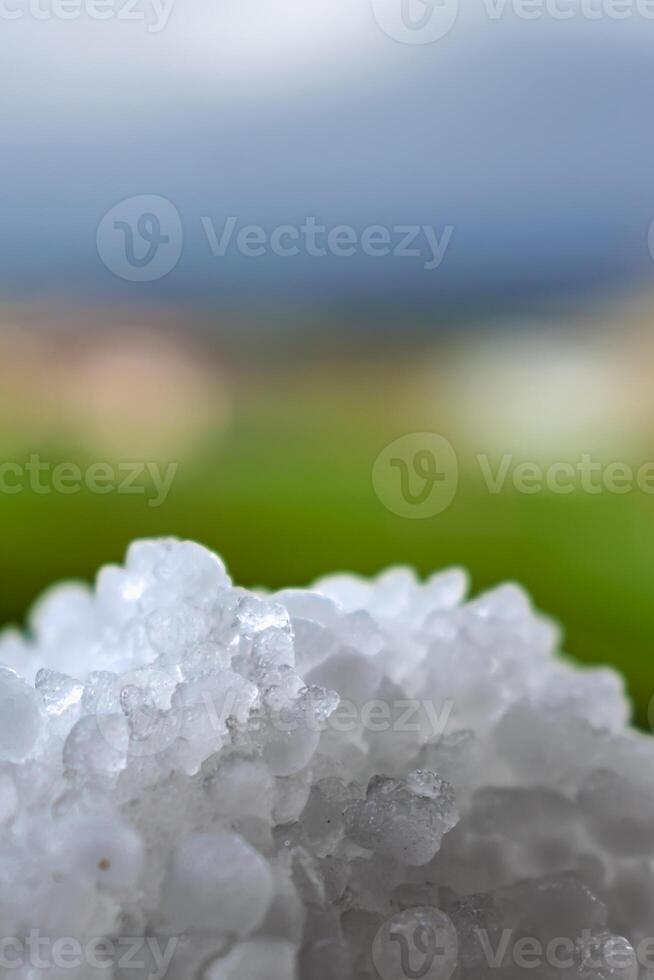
[(532, 139)]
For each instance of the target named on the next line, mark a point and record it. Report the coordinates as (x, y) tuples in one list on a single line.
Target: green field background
[(285, 494)]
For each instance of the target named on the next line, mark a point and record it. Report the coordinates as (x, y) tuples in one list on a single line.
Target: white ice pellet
[(403, 819), (350, 782), (259, 959), (216, 883), (63, 611), (59, 692), (105, 849), (191, 571), (8, 794), (20, 717), (97, 745), (241, 786)]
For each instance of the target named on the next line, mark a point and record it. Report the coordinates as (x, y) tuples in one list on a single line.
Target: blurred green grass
[(286, 495)]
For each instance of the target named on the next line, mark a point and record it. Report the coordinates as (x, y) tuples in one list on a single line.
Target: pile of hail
[(363, 779)]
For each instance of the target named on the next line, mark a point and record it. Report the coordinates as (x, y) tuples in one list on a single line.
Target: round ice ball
[(105, 849), (217, 883), (97, 745), (260, 959)]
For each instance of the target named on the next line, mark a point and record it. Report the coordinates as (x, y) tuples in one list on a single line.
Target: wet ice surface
[(360, 780)]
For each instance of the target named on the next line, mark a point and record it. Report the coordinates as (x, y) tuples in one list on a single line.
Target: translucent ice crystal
[(20, 717), (361, 780), (404, 818)]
